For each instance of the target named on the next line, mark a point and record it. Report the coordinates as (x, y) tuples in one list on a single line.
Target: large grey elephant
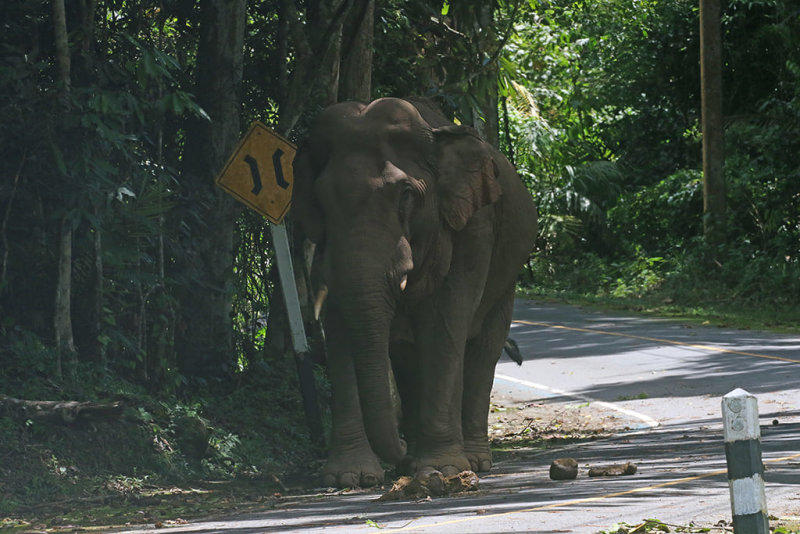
[(422, 229)]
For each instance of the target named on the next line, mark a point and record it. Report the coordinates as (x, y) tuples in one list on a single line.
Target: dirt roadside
[(511, 419)]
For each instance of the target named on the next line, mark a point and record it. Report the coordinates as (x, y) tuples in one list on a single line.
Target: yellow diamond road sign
[(259, 174)]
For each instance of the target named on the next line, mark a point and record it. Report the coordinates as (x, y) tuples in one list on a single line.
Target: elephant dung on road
[(421, 228)]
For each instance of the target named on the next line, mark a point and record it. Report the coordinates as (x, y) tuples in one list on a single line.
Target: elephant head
[(382, 190)]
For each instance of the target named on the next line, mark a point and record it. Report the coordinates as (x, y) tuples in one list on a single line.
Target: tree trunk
[(714, 203), (487, 120), (62, 317), (97, 312), (6, 215), (62, 45), (205, 345), (316, 45), (355, 82)]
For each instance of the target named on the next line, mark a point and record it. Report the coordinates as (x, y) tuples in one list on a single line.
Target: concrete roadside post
[(745, 469), (259, 175)]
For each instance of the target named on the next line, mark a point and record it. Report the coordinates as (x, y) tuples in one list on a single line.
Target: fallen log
[(64, 412)]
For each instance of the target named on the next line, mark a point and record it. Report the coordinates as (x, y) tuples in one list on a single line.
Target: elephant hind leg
[(405, 366), (480, 359)]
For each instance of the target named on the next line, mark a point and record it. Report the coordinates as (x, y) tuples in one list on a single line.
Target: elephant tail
[(512, 349)]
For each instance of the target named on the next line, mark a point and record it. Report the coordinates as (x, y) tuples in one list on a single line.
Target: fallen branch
[(65, 412)]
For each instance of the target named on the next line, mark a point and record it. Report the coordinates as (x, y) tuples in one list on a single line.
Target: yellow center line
[(657, 340), (586, 499)]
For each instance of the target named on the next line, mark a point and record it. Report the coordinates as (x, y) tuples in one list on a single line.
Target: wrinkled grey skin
[(422, 229)]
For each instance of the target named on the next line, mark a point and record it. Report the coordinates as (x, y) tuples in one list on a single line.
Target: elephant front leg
[(440, 446), (479, 368), (351, 461), (441, 330)]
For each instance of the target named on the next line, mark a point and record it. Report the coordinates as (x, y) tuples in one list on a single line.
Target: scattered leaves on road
[(655, 526)]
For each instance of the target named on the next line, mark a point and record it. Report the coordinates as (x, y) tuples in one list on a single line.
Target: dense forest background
[(125, 274)]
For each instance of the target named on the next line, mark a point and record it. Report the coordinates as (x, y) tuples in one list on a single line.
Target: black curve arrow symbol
[(250, 160), (276, 162)]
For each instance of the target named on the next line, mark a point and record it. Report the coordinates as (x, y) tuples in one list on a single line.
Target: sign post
[(259, 174)]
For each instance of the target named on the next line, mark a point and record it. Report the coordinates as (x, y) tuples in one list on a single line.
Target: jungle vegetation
[(126, 275)]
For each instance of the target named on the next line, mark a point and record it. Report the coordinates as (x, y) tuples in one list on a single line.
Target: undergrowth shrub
[(659, 218)]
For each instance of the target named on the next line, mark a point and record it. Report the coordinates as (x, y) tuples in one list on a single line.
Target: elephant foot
[(359, 469), (479, 455), (448, 462)]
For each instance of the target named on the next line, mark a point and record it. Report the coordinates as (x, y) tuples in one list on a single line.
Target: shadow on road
[(716, 376), (671, 461)]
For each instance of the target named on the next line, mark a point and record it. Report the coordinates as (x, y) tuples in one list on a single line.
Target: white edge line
[(649, 421)]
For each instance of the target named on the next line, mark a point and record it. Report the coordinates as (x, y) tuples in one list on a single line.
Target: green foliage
[(254, 279), (98, 161), (662, 217), (605, 112), (448, 52), (49, 462), (252, 431)]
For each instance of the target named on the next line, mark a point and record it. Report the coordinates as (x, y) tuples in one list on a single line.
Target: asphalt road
[(660, 379)]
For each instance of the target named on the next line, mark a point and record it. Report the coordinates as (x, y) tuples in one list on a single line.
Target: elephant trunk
[(368, 311), (371, 357)]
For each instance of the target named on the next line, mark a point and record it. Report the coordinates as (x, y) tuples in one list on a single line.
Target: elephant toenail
[(368, 480), (450, 470), (348, 480)]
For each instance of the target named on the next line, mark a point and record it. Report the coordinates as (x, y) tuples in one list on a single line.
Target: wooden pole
[(745, 469)]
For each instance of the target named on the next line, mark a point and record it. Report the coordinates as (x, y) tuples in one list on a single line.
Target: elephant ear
[(467, 174), (306, 208)]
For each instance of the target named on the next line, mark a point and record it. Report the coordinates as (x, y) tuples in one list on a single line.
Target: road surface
[(661, 380)]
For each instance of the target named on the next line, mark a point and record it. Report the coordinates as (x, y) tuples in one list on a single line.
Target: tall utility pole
[(711, 89)]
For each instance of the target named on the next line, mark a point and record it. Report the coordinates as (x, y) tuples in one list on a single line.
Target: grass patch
[(640, 396), (740, 315)]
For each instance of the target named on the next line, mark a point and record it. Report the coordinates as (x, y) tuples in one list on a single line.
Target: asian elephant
[(422, 228)]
